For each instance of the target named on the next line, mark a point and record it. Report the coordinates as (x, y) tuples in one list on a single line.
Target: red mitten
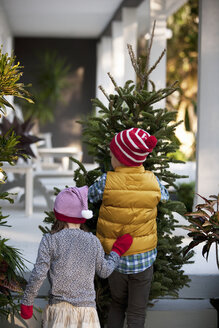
[(122, 244), (26, 311)]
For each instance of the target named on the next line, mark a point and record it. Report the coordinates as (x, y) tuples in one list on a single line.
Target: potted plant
[(11, 262), (50, 81), (204, 228)]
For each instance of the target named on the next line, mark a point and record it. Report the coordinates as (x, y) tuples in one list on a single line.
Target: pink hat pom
[(151, 142)]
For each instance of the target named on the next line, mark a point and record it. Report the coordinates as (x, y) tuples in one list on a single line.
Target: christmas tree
[(132, 106)]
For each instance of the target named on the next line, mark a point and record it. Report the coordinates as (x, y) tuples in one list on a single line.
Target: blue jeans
[(130, 293)]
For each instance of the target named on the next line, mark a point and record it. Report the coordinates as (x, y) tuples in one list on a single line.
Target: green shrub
[(185, 194)]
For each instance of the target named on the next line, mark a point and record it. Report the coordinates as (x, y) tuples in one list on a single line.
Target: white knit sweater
[(70, 257)]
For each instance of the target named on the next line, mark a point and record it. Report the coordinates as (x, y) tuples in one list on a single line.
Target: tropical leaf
[(10, 74), (193, 244), (206, 249), (21, 145), (201, 214)]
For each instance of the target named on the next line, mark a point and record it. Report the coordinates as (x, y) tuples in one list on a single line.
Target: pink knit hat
[(131, 147), (71, 205)]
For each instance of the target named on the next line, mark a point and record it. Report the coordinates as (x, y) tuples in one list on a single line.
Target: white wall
[(5, 32), (208, 103), (6, 40)]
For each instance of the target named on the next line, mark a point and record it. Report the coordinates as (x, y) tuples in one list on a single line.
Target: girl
[(71, 257)]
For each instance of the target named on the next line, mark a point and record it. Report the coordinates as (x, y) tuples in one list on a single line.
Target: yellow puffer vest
[(129, 205)]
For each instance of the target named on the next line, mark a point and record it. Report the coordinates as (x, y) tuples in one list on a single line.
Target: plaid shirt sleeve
[(164, 192), (95, 191)]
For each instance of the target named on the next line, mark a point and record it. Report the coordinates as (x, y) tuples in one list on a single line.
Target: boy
[(129, 205)]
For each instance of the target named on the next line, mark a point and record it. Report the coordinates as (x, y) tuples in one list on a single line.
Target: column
[(104, 65), (207, 173), (118, 57), (130, 34), (29, 191), (5, 32), (158, 76)]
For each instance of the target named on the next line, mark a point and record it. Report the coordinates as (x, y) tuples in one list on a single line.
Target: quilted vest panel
[(129, 205)]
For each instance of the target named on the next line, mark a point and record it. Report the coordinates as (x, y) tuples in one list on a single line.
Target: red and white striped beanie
[(131, 147)]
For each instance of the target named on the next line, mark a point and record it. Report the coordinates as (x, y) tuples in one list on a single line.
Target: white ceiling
[(59, 18)]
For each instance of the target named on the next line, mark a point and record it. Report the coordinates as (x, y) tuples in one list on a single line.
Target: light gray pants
[(130, 293)]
